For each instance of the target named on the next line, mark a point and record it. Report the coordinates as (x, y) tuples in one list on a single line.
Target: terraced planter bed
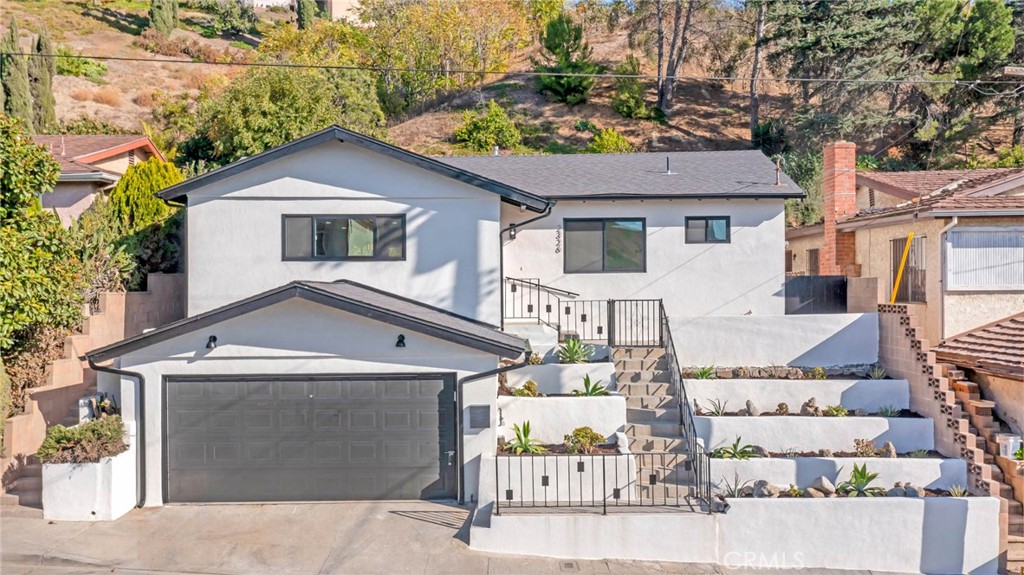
[(930, 473), (869, 395), (803, 434)]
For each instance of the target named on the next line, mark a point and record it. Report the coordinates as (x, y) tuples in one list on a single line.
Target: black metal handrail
[(699, 461), (535, 284)]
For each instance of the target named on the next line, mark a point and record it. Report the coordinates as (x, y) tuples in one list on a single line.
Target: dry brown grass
[(108, 96), (82, 94), (145, 98)]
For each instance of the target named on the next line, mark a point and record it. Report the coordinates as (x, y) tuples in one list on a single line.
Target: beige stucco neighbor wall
[(70, 199), (799, 247), (1009, 397), (119, 164), (120, 315), (964, 311)]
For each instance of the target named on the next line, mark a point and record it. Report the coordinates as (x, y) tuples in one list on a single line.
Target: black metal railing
[(584, 319), (599, 481), (635, 323), (527, 298), (698, 460)]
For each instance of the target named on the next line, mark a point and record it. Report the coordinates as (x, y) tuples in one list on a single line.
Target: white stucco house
[(346, 300)]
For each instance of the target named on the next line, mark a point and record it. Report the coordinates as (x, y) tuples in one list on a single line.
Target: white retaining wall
[(559, 378), (100, 491), (935, 535), (777, 433), (933, 473), (762, 340), (867, 394), (552, 418)]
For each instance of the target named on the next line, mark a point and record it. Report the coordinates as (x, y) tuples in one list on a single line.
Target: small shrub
[(836, 411), (523, 443), (629, 100), (859, 484), (865, 448), (920, 454), (71, 63), (818, 373), (1019, 454), (585, 126), (608, 141), (782, 409), (491, 127), (794, 491), (85, 443), (770, 137), (529, 389), (574, 351), (536, 359), (877, 372), (706, 372), (583, 440), (590, 389), (735, 451), (108, 96)]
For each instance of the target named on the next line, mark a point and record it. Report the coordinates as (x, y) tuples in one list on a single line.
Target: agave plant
[(574, 351), (706, 372), (957, 491), (523, 443), (859, 484), (733, 489), (717, 407), (590, 389), (877, 372), (889, 411), (735, 451)]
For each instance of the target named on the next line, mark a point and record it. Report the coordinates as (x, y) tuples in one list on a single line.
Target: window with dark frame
[(340, 237), (605, 245), (912, 284), (708, 230)]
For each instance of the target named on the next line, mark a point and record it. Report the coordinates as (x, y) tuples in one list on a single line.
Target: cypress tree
[(3, 85), (41, 71), (15, 80), (163, 15), (305, 10)]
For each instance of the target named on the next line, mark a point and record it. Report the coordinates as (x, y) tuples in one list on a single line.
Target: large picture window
[(708, 230), (374, 238), (610, 246)]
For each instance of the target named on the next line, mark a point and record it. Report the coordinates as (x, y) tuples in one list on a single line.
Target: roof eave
[(102, 177), (992, 213), (724, 196)]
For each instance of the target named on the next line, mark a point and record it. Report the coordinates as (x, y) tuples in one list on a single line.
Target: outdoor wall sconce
[(401, 341), (512, 232), (212, 342)]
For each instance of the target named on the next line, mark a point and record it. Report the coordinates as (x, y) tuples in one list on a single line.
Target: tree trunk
[(755, 71), (660, 15), (677, 52)]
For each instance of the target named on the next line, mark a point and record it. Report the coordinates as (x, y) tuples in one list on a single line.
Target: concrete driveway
[(357, 538)]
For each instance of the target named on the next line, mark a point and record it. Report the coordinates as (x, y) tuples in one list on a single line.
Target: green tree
[(629, 99), (134, 200), (564, 51), (163, 15), (491, 127), (26, 171), (18, 92), (305, 12), (41, 71), (608, 141)]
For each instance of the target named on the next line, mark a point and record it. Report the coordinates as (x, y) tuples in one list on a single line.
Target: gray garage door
[(310, 438)]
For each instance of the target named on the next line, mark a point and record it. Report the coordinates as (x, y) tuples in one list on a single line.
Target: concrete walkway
[(300, 539)]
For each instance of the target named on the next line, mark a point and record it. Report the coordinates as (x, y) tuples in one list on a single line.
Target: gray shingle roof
[(730, 174), (347, 296)]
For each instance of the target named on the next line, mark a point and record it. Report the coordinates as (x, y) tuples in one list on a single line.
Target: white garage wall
[(743, 276), (235, 229), (299, 337)]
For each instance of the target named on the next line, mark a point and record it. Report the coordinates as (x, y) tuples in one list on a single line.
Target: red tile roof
[(950, 201), (996, 348), (908, 185)]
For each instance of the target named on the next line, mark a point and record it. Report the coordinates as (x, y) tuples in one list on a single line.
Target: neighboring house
[(338, 9), (90, 165), (966, 262), (343, 283)]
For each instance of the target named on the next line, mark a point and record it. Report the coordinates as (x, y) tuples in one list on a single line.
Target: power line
[(530, 73)]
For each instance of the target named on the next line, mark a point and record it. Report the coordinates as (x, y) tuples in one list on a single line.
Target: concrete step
[(652, 402), (655, 428), (630, 364), (646, 443), (645, 389), (638, 353), (642, 376), (664, 492), (641, 415), (1014, 507), (981, 407)]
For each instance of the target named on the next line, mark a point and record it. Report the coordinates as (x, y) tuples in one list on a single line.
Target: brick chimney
[(839, 250)]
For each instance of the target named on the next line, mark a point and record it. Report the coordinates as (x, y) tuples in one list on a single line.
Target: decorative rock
[(746, 491), (887, 450), (752, 409), (723, 373), (795, 373), (824, 453), (760, 451), (858, 413), (763, 489), (813, 493), (913, 491), (810, 408), (897, 491), (824, 485)]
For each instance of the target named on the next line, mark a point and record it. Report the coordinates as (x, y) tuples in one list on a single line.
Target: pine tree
[(305, 10), (41, 71), (18, 102), (565, 52), (163, 15)]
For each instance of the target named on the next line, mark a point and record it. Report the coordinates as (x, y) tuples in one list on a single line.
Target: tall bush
[(134, 199), (564, 51), (305, 11), (163, 15), (17, 90), (41, 71), (608, 141), (629, 98), (491, 127)]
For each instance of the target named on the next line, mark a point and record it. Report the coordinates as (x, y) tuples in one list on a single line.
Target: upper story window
[(605, 245), (362, 237), (708, 230)]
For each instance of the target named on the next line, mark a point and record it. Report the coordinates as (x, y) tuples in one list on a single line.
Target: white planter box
[(779, 434), (100, 491), (802, 471), (552, 418), (867, 394), (558, 378)]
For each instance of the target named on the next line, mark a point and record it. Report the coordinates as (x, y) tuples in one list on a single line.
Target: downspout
[(140, 426), (501, 255), (458, 407), (942, 278)]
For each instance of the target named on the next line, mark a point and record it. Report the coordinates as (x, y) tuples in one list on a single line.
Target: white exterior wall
[(867, 394), (779, 434), (743, 276), (552, 418), (933, 473), (235, 230), (562, 378), (299, 337)]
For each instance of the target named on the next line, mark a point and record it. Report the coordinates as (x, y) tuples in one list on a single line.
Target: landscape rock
[(813, 493), (858, 413), (782, 409), (888, 450), (746, 491), (824, 453), (913, 491), (897, 491), (824, 485), (760, 451), (752, 409), (723, 373), (810, 408), (763, 489)]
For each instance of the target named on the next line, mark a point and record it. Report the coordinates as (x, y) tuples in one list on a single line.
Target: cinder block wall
[(120, 315)]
